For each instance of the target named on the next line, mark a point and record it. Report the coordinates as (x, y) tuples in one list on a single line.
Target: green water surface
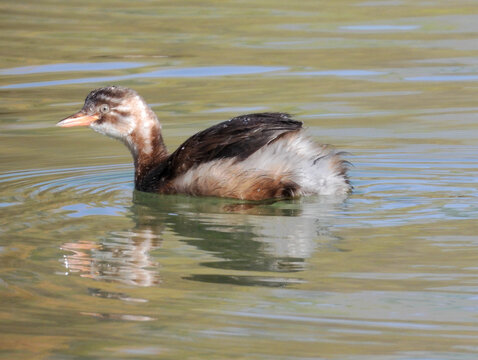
[(90, 269)]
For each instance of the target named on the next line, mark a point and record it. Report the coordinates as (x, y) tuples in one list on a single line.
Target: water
[(90, 269)]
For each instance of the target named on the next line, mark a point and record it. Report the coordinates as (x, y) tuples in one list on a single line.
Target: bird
[(254, 157)]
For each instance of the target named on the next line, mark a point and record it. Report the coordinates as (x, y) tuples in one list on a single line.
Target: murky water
[(90, 269)]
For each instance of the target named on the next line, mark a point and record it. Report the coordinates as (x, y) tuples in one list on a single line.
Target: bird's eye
[(104, 108)]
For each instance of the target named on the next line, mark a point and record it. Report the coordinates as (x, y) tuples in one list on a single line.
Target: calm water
[(90, 269)]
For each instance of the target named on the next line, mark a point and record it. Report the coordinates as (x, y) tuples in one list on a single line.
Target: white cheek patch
[(107, 129), (120, 130)]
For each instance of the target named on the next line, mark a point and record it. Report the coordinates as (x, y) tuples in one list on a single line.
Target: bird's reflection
[(257, 237)]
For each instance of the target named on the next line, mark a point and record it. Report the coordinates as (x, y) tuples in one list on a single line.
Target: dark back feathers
[(239, 137)]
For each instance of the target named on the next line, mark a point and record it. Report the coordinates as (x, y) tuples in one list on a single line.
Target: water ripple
[(66, 67), (443, 78), (380, 27), (25, 186), (194, 72), (390, 188)]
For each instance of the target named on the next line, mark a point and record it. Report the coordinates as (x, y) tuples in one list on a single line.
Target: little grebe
[(251, 157)]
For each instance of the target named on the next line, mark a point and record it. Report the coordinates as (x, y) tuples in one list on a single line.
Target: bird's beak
[(78, 119)]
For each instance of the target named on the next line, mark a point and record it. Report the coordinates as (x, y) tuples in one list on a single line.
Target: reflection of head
[(123, 257)]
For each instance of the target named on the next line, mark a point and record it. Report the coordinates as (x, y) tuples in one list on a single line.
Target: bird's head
[(114, 111)]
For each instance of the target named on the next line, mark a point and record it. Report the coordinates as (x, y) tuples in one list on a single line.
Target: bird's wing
[(239, 137)]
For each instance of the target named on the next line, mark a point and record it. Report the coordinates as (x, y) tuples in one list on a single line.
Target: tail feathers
[(325, 173), (332, 174)]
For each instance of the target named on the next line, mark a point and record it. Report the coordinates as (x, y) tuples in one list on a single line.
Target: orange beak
[(78, 119)]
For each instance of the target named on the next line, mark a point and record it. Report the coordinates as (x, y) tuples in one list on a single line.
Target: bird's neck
[(147, 147)]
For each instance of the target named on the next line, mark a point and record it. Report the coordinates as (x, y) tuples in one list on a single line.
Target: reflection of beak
[(78, 119)]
